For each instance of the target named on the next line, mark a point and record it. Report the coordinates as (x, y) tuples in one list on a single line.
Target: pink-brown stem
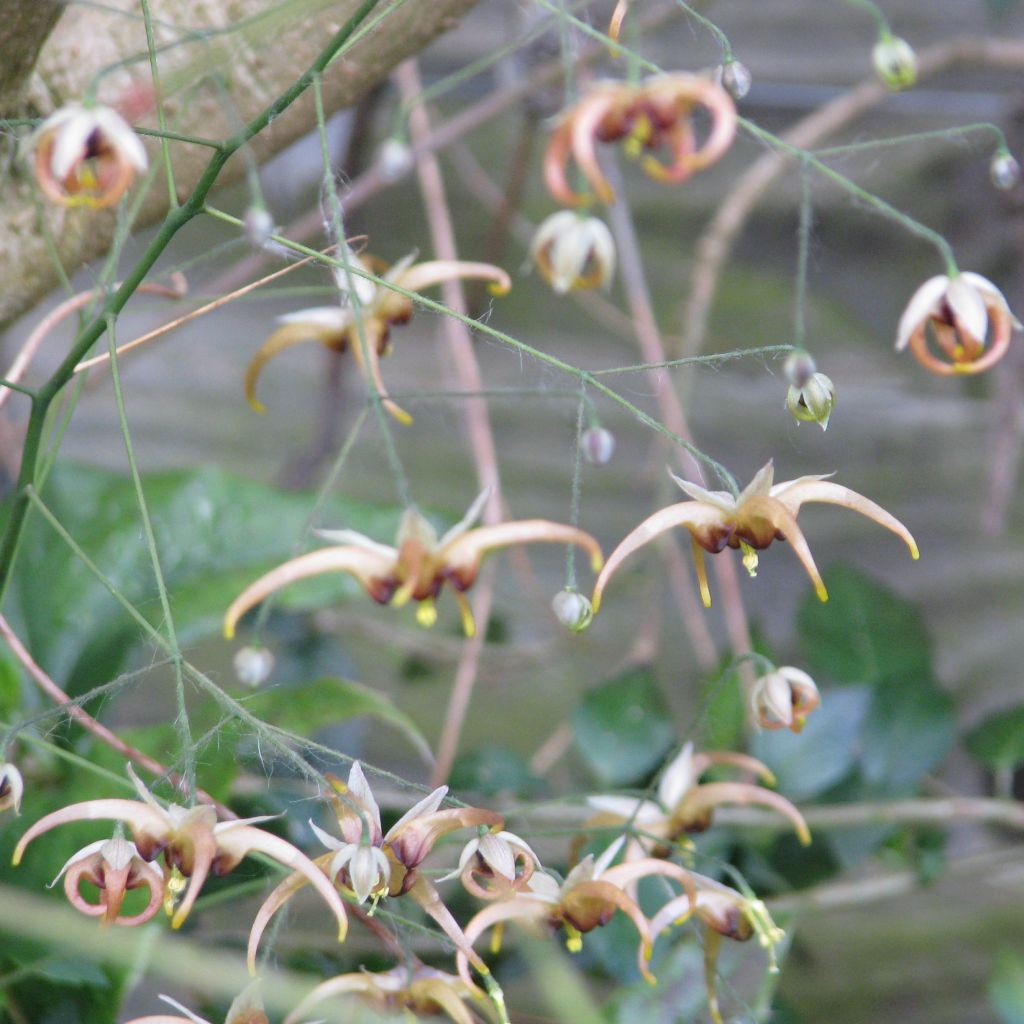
[(87, 722), (177, 289)]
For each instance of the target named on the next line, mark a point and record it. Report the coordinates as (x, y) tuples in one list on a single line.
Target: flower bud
[(574, 252), (783, 699), (394, 160), (259, 226), (597, 445), (814, 402), (735, 78), (572, 610), (1005, 171), (895, 62), (799, 367), (253, 665), (11, 787)]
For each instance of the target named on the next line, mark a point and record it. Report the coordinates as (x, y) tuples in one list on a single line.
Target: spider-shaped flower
[(684, 804), (588, 898), (368, 862), (573, 252), (366, 331), (495, 865), (416, 989), (763, 512), (192, 841), (419, 564), (86, 156), (970, 322), (654, 115), (114, 867)]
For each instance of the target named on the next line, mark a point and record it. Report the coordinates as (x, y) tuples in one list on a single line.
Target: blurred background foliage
[(919, 664)]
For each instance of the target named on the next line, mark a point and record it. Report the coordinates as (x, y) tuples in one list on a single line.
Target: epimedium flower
[(86, 156), (685, 804), (586, 899), (114, 867), (192, 841), (370, 863), (783, 699), (571, 251), (654, 115), (495, 865), (364, 326), (246, 1008), (725, 913), (12, 787), (969, 320), (761, 513), (416, 989), (419, 564)]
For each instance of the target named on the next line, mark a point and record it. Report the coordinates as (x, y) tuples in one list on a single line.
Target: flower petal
[(968, 308), (424, 275), (925, 302), (366, 566), (990, 293), (694, 515)]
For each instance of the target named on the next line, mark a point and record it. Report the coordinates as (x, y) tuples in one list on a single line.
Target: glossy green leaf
[(622, 728), (864, 633), (998, 741)]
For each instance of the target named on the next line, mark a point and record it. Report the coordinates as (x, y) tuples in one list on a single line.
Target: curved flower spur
[(763, 512), (192, 841), (970, 323), (418, 566), (247, 1008), (655, 115), (364, 325)]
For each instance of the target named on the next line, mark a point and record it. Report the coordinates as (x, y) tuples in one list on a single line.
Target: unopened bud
[(597, 445), (12, 786), (1005, 171), (253, 665), (799, 367), (394, 160), (735, 78), (783, 699), (895, 62), (259, 226), (814, 402), (572, 610)]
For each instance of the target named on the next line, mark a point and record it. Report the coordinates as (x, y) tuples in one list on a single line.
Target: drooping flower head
[(968, 320), (783, 699), (763, 512), (573, 252), (366, 330), (685, 804), (192, 841), (11, 788), (419, 564), (86, 156), (652, 116)]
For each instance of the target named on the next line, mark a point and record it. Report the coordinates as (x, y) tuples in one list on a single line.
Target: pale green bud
[(895, 62), (813, 402), (1005, 171), (572, 610)]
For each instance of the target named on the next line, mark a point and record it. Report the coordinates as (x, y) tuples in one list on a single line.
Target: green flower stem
[(154, 70), (884, 31), (173, 223), (802, 252), (899, 140), (707, 360), (575, 499), (915, 227), (720, 36)]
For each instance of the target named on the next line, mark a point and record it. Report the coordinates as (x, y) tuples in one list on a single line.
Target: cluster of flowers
[(364, 863)]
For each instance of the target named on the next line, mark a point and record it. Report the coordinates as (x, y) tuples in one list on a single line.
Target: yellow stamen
[(468, 622), (173, 889), (638, 137), (749, 558), (426, 613), (573, 938), (496, 936), (702, 572)]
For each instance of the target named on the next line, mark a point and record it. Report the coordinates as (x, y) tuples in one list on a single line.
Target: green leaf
[(72, 971), (494, 770), (622, 728), (1006, 988), (998, 741), (864, 633), (10, 685), (306, 708), (810, 762), (908, 731)]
